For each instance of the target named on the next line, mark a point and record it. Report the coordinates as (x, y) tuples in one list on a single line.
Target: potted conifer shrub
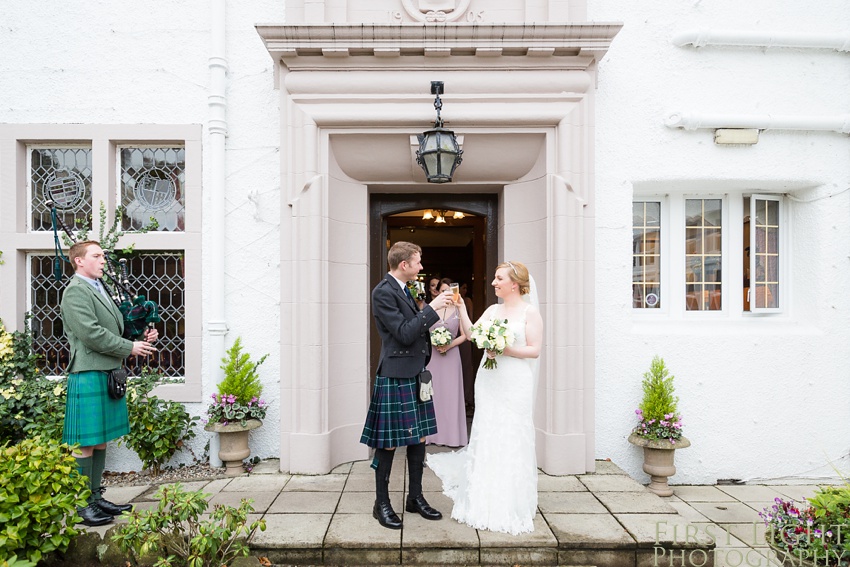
[(237, 408), (659, 430)]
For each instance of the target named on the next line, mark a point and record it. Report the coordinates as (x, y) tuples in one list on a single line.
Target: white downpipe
[(701, 38), (695, 121), (217, 102)]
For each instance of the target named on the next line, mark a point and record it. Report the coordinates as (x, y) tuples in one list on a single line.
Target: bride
[(493, 480)]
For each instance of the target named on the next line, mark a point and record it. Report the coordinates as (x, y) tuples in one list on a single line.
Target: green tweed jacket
[(93, 326)]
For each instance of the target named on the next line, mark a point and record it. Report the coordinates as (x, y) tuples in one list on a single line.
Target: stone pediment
[(447, 45)]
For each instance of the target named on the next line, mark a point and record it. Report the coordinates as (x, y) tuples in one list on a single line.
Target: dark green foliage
[(40, 490), (158, 428), (241, 378), (175, 531)]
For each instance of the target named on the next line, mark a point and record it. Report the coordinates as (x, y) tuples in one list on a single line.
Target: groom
[(396, 416)]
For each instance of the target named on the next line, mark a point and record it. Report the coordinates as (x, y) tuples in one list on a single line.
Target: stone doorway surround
[(353, 93)]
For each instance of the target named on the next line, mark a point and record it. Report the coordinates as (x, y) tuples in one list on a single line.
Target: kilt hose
[(91, 416), (396, 417)]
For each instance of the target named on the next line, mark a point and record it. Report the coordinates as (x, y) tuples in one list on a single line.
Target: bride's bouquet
[(492, 335), (441, 337)]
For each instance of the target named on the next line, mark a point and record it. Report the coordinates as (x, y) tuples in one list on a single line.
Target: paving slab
[(361, 531), (266, 466), (727, 512), (597, 531), (610, 483), (796, 492), (192, 486), (724, 538), (296, 531), (519, 556), (547, 483), (261, 500), (344, 468), (316, 483), (365, 483), (542, 536), (634, 503), (597, 557), (702, 494), (687, 511), (569, 503), (304, 502), (608, 467), (124, 494), (216, 486), (261, 483), (664, 530), (363, 502), (443, 534), (751, 534), (752, 493)]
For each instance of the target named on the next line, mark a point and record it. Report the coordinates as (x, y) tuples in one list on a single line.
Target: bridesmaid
[(447, 375)]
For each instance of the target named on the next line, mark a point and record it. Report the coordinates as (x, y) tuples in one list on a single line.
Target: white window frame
[(19, 241), (781, 253), (732, 271)]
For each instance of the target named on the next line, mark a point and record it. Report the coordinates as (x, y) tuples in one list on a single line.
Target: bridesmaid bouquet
[(492, 335), (441, 337)]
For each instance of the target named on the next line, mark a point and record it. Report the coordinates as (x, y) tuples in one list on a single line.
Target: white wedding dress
[(493, 480)]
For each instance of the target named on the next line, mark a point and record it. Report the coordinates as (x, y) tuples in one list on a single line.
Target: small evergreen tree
[(241, 378), (658, 413), (658, 392)]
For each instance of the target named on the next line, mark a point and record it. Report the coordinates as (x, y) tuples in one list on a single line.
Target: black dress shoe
[(93, 516), (385, 515), (111, 508), (418, 504)]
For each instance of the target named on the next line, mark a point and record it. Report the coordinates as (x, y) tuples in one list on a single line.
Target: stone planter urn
[(658, 461), (233, 443)]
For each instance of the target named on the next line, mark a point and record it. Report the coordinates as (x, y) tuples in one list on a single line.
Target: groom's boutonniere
[(411, 287)]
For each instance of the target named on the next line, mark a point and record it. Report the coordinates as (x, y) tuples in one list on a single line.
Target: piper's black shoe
[(93, 516), (385, 515), (111, 508), (418, 504)]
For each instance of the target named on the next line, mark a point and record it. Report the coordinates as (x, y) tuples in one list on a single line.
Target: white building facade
[(676, 176)]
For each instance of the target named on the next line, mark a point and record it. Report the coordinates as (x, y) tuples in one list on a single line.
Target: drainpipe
[(217, 125), (694, 121), (701, 38)]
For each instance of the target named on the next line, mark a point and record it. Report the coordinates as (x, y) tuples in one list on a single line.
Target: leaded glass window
[(62, 175), (703, 257), (646, 254), (159, 276), (152, 186)]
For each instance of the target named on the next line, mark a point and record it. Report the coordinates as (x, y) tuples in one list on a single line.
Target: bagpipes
[(139, 313)]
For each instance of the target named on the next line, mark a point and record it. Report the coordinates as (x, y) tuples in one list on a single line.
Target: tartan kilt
[(396, 417), (91, 416)]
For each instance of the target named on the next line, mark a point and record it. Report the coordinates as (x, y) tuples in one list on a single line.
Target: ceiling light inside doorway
[(457, 215), (428, 215), (441, 217)]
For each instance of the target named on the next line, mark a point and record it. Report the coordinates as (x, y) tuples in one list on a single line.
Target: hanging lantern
[(439, 153)]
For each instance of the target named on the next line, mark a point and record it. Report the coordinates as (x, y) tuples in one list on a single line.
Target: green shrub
[(175, 531), (158, 428), (40, 490), (241, 378), (30, 403)]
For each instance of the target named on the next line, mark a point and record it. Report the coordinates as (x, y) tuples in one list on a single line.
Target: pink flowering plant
[(658, 414), (238, 398), (816, 530)]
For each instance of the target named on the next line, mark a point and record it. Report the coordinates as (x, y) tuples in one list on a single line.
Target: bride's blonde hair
[(518, 274)]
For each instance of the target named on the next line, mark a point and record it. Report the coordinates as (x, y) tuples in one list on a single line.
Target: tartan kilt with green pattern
[(396, 417), (91, 416)]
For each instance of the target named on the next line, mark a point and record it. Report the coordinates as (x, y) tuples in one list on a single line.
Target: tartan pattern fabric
[(396, 417), (91, 416)]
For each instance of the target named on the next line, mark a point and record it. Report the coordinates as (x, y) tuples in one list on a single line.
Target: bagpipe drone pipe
[(139, 312)]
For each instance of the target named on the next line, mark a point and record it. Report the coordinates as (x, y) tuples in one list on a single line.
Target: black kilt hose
[(396, 417)]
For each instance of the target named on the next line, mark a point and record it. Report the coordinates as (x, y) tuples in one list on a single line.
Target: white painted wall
[(117, 62), (762, 399)]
